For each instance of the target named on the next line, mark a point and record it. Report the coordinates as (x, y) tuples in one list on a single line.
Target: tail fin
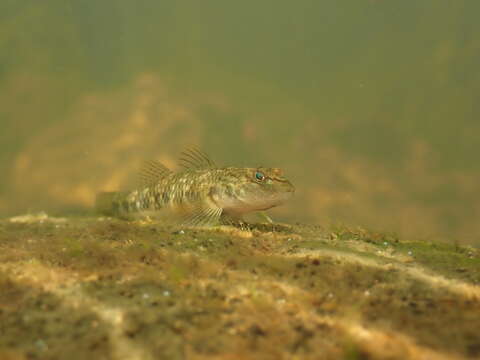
[(104, 203)]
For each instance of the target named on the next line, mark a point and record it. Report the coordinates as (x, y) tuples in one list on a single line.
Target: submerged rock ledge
[(102, 288)]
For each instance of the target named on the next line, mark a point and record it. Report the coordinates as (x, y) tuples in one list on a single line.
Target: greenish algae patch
[(103, 288)]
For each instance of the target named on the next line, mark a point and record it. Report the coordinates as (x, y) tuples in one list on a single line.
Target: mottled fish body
[(201, 194)]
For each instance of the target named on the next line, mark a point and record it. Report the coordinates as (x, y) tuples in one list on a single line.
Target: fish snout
[(288, 187)]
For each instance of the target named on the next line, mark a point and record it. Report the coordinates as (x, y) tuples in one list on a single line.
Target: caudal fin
[(104, 203)]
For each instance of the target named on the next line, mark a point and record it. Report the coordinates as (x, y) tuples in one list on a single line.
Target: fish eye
[(259, 176)]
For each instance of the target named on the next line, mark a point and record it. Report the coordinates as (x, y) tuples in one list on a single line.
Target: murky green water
[(371, 107)]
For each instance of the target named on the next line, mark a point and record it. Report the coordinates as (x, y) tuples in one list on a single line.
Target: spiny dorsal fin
[(195, 159), (152, 171)]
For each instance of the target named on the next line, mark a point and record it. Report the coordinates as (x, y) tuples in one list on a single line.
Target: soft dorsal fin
[(152, 171), (196, 160)]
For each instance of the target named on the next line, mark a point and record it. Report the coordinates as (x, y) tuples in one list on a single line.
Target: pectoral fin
[(202, 215)]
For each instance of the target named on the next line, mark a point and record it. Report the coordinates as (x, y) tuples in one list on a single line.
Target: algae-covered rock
[(104, 288)]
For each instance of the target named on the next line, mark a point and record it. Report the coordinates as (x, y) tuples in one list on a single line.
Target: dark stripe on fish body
[(115, 207), (165, 197), (156, 200), (126, 205)]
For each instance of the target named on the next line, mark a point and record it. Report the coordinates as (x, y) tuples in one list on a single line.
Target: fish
[(200, 194)]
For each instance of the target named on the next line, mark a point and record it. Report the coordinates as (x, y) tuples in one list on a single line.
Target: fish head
[(254, 189)]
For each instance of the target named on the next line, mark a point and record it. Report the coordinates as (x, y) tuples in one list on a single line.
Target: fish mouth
[(279, 198), (288, 186), (282, 198)]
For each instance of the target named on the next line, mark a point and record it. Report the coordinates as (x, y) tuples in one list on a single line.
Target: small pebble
[(166, 293), (146, 296), (41, 344)]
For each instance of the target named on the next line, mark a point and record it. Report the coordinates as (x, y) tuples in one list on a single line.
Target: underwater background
[(370, 106)]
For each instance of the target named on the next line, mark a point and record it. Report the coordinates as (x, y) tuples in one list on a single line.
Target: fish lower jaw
[(240, 211)]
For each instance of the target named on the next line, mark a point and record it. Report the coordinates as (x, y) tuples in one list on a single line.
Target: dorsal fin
[(152, 171), (196, 160)]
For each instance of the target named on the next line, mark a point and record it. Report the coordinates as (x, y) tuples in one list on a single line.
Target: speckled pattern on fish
[(201, 194)]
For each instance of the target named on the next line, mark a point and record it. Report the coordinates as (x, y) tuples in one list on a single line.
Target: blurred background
[(370, 106)]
